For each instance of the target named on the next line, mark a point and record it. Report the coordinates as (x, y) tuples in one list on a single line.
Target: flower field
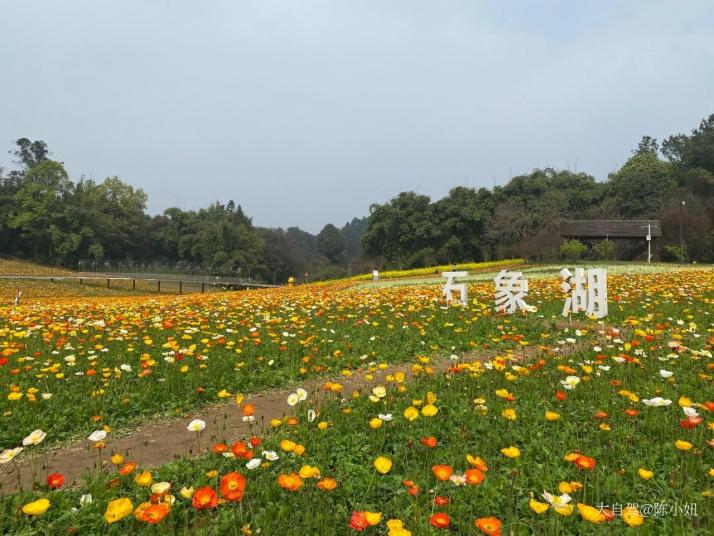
[(523, 424)]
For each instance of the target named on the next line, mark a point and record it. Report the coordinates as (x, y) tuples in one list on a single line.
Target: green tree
[(695, 150), (38, 213), (330, 243), (30, 153), (641, 185), (400, 228)]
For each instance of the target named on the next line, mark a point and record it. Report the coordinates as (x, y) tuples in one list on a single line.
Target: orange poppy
[(442, 472), (474, 476), (232, 486), (290, 482), (327, 484), (248, 409), (491, 526), (155, 513), (255, 442), (127, 468), (585, 462), (440, 520), (219, 448), (239, 449), (205, 497), (430, 442)]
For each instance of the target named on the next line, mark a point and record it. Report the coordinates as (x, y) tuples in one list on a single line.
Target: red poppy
[(690, 422), (55, 480), (632, 412), (440, 520), (560, 395), (441, 501), (233, 486), (205, 497), (255, 442), (358, 521)]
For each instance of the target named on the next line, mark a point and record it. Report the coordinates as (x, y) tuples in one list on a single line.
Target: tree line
[(521, 219), (48, 218)]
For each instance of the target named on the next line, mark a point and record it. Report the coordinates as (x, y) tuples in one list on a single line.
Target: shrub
[(572, 250), (604, 250)]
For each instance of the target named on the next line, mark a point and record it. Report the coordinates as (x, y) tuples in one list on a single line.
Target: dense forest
[(47, 217)]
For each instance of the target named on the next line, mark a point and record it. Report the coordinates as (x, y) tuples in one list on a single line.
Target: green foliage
[(46, 217), (641, 185), (674, 253), (572, 250), (604, 250), (330, 243)]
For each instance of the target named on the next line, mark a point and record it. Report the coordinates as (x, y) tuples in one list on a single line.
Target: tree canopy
[(47, 217)]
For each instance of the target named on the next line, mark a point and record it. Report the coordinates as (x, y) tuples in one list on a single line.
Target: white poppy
[(253, 464), (311, 415), (270, 455), (557, 500), (8, 454), (35, 438), (386, 417), (97, 435), (570, 382), (85, 499), (690, 412), (293, 399), (656, 402), (665, 373), (301, 393), (196, 425)]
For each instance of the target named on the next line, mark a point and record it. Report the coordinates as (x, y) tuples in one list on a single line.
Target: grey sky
[(305, 112)]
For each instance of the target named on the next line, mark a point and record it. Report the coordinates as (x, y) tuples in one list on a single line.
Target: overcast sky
[(305, 112)]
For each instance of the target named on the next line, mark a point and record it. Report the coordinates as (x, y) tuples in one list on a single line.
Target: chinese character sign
[(511, 288), (450, 286), (585, 291)]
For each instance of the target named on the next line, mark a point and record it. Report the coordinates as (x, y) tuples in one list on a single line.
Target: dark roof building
[(610, 228)]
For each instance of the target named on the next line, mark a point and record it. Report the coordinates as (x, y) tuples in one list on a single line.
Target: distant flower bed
[(436, 270)]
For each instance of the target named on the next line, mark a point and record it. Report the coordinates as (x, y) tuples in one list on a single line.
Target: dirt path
[(154, 444)]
